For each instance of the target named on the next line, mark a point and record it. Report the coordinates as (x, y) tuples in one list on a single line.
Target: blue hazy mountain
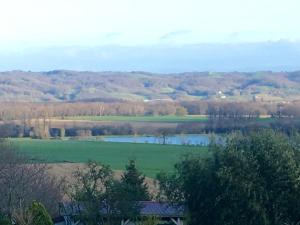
[(275, 56)]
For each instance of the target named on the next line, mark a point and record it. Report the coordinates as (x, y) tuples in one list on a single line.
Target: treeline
[(24, 111), (43, 129), (35, 119)]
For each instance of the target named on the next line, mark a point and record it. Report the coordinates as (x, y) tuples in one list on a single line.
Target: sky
[(29, 24), (150, 35)]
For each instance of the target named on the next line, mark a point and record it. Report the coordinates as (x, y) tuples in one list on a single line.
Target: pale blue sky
[(45, 23)]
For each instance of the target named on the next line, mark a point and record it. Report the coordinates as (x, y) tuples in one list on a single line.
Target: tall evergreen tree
[(133, 184), (130, 190)]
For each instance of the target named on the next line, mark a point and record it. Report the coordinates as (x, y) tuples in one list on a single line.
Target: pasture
[(150, 158), (155, 119), (168, 118)]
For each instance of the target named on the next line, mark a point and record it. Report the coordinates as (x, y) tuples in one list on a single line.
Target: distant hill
[(64, 85), (224, 57)]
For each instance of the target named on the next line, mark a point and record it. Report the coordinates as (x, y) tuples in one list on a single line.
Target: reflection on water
[(187, 139)]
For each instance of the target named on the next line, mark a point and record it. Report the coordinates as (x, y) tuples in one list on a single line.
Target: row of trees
[(234, 110), (212, 125), (27, 111), (16, 130)]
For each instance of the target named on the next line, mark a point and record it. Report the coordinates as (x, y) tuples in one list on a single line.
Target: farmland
[(150, 158), (169, 118), (162, 119)]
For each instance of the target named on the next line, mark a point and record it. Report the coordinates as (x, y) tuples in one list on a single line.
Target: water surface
[(186, 139)]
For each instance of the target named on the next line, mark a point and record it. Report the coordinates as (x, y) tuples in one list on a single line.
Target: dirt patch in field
[(66, 171)]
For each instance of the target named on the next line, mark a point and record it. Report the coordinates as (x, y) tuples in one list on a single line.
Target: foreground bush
[(4, 220), (39, 214)]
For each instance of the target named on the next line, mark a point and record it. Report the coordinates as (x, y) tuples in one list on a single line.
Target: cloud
[(174, 34), (111, 35), (234, 35)]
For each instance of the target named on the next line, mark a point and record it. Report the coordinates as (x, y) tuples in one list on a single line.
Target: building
[(164, 212)]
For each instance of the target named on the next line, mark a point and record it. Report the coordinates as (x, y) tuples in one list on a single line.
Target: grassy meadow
[(162, 119), (169, 118), (150, 158)]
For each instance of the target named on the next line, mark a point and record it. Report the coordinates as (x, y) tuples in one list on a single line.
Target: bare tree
[(22, 217), (22, 182)]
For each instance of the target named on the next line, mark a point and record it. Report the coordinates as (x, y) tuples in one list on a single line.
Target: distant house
[(164, 212), (221, 95)]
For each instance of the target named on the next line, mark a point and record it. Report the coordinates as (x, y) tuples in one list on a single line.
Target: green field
[(166, 119), (170, 119), (150, 158)]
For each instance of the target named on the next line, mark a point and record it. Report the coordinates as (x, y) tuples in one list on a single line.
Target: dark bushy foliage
[(4, 220), (39, 214), (252, 180)]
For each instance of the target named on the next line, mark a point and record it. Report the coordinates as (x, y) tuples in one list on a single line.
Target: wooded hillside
[(64, 85)]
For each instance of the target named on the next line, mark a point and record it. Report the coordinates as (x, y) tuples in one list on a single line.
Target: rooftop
[(148, 208)]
